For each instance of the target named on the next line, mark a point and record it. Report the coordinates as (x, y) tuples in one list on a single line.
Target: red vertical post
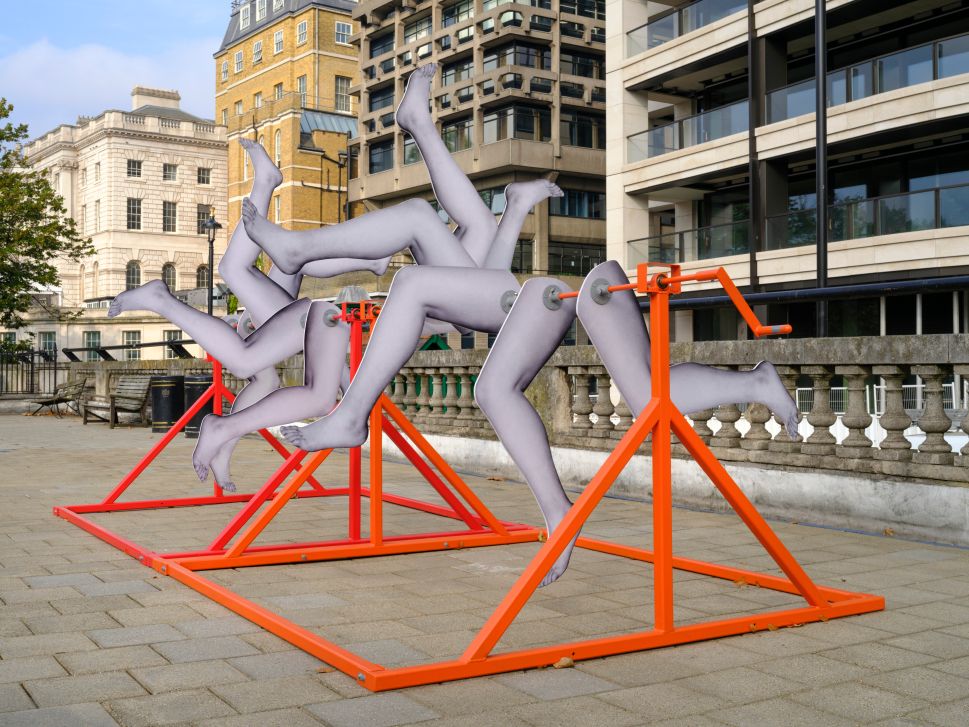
[(356, 353), (659, 321), (218, 389)]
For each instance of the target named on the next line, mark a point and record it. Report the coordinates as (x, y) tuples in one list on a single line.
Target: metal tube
[(821, 158)]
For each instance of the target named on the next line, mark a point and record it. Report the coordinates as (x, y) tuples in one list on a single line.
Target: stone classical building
[(138, 183), (283, 76), (520, 92), (711, 155)]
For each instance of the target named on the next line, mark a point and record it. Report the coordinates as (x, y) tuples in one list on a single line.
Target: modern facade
[(520, 92), (283, 75), (711, 154), (139, 183)]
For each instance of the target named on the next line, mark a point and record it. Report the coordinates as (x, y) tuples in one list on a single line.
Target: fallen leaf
[(823, 618), (753, 627), (771, 627), (888, 531), (496, 479), (563, 663), (325, 669), (741, 583), (542, 537)]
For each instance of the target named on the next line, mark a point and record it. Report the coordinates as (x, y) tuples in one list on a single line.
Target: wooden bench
[(69, 393), (130, 394)]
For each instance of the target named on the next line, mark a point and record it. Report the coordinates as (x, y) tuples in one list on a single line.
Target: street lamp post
[(211, 227)]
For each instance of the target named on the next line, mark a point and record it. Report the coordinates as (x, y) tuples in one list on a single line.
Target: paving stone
[(472, 696), (639, 669), (934, 643), (13, 698), (224, 626), (663, 701), (859, 702), (173, 677), (278, 664), (389, 652), (78, 689), (120, 658), (30, 667), (132, 635), (74, 622), (923, 683), (142, 616), (218, 647), (387, 709), (11, 648), (88, 715), (582, 711), (273, 718), (293, 691), (952, 714), (35, 595), (96, 603), (548, 684), (172, 708), (67, 579), (778, 712), (811, 669), (878, 657), (116, 587)]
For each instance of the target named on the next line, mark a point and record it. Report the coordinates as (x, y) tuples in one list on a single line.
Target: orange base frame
[(660, 419)]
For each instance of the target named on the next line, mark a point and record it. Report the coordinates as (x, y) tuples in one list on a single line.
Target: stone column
[(465, 415), (934, 421), (397, 395), (782, 443), (856, 418), (821, 441), (424, 398), (701, 424), (894, 447), (625, 419), (436, 403), (450, 397), (581, 405), (410, 392), (604, 407)]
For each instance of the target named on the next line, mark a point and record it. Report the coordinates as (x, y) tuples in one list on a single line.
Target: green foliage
[(35, 230), (232, 304)]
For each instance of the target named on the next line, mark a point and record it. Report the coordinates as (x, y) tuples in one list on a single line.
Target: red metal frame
[(660, 418)]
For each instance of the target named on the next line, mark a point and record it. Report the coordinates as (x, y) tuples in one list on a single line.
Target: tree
[(34, 227)]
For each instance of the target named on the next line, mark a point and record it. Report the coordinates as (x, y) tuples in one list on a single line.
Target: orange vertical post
[(219, 388), (356, 462), (376, 476)]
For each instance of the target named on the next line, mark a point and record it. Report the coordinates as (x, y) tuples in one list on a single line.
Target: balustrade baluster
[(821, 417), (962, 372), (625, 418), (894, 420), (581, 404), (424, 397), (465, 415), (436, 403), (783, 443), (449, 417), (410, 393), (604, 407), (701, 424), (397, 394), (934, 421), (856, 418)]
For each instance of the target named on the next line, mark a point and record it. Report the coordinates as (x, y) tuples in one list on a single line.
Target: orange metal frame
[(660, 419)]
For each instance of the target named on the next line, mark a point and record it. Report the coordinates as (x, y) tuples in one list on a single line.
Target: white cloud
[(49, 85)]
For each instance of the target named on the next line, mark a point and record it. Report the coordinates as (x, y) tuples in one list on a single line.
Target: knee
[(406, 279), (490, 392)]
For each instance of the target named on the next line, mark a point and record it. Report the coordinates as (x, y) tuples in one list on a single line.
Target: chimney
[(143, 96)]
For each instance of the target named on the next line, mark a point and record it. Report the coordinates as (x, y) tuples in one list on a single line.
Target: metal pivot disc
[(600, 291), (331, 317), (550, 297), (508, 300)]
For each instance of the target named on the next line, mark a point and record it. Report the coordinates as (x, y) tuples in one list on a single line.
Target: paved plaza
[(90, 637)]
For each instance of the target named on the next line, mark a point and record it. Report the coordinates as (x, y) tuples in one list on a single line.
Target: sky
[(63, 58)]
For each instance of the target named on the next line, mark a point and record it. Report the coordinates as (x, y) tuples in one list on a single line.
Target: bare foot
[(529, 194), (559, 566), (327, 433), (266, 172), (220, 466), (211, 439), (413, 109), (146, 297), (773, 395), (270, 238)]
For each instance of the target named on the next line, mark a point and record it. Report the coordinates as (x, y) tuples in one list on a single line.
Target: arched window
[(202, 276), (132, 275), (262, 142), (94, 280), (80, 283), (169, 276), (278, 156)]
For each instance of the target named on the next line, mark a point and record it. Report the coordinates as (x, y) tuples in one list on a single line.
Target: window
[(47, 341), (202, 213), (238, 61), (169, 276), (381, 156), (586, 8), (301, 89), (225, 70), (494, 199), (412, 154), (277, 212), (81, 292), (522, 260), (84, 176), (92, 339), (532, 123), (465, 34), (278, 42), (169, 216), (94, 280), (278, 91), (579, 128), (83, 220), (244, 16), (131, 338), (518, 54), (343, 33), (582, 64), (97, 215), (277, 5), (225, 117), (238, 108), (381, 98), (134, 213), (417, 29), (260, 10), (257, 52), (171, 335), (257, 100), (134, 167), (97, 172), (169, 172), (278, 147), (579, 203), (454, 72), (301, 33), (202, 276), (132, 275), (204, 175), (342, 93), (455, 13), (458, 135), (381, 44), (574, 258)]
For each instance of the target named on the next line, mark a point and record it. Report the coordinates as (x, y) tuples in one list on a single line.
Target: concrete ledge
[(927, 511)]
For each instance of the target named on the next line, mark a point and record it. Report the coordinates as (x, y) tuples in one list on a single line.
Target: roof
[(233, 34), (168, 113), (324, 121)]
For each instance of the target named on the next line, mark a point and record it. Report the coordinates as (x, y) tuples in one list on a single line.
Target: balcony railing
[(887, 215), (692, 130), (929, 62), (702, 243), (672, 25)]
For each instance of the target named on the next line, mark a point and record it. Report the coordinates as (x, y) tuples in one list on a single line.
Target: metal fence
[(28, 372)]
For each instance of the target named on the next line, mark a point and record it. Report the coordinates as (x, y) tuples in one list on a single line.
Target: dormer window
[(260, 10), (277, 5), (244, 17)]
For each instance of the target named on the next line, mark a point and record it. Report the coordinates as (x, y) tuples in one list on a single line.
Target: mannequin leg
[(618, 332), (528, 337), (465, 296), (375, 235), (520, 197), (324, 350)]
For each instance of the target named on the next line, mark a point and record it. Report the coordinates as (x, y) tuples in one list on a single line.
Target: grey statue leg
[(467, 297), (529, 336), (618, 331), (520, 197), (324, 351)]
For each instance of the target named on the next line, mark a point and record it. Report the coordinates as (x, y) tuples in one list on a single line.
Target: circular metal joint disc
[(508, 300), (550, 297), (600, 291)]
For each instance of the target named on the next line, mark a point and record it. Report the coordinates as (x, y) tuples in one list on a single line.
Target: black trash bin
[(167, 402), (195, 386)]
